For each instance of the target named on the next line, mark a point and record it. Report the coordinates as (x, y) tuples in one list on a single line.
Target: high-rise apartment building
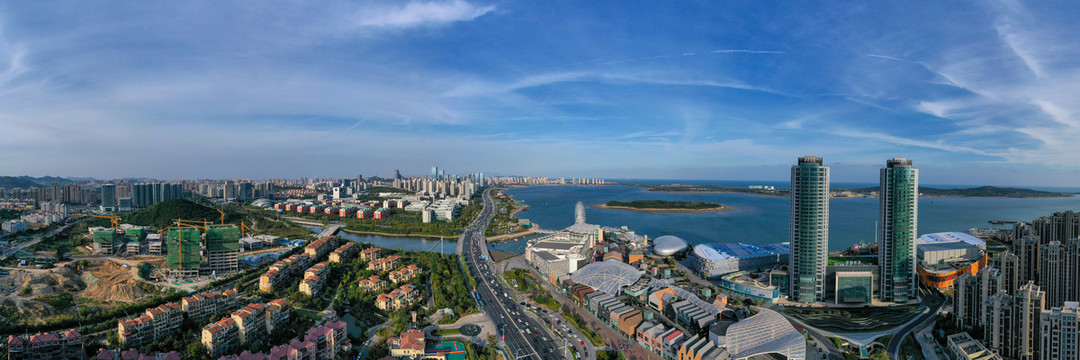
[(1059, 333), (898, 213), (146, 194), (1025, 244), (108, 197), (1060, 226), (1059, 266), (809, 230), (1009, 266)]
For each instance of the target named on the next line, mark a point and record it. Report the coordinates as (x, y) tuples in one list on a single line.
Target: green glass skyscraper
[(898, 215), (809, 230)]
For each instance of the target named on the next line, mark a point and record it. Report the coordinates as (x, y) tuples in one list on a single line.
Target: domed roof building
[(262, 202), (668, 244)]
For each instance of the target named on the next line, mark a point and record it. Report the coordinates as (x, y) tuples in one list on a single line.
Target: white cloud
[(937, 145), (936, 108), (418, 13)]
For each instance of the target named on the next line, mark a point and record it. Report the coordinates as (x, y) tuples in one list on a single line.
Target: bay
[(762, 220)]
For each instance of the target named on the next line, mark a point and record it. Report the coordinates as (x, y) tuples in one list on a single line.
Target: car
[(583, 343)]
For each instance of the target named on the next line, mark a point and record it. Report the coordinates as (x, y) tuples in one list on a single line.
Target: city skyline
[(978, 92)]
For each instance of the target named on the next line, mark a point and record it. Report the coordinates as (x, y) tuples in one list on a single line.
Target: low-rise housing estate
[(373, 283), (399, 298), (344, 253), (369, 254), (404, 274), (46, 346), (409, 344), (314, 279), (385, 264)]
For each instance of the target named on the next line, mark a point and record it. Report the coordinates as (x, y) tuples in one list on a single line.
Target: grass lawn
[(309, 314), (444, 332), (838, 342)]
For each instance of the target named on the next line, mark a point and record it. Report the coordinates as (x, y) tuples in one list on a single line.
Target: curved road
[(933, 301)]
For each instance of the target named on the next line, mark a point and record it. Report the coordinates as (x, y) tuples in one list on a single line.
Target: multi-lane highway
[(524, 336)]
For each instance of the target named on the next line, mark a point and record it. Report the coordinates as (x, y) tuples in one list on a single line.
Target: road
[(933, 301), (524, 336), (37, 239), (553, 319)]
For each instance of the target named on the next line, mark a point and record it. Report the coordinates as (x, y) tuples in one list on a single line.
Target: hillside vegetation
[(162, 214), (991, 191), (26, 182)]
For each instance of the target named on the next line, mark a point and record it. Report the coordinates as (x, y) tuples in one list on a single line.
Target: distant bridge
[(331, 230)]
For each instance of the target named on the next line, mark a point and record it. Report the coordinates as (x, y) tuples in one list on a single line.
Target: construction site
[(38, 295), (192, 249)]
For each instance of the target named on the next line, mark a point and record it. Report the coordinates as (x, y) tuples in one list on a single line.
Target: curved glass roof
[(768, 332), (607, 276)]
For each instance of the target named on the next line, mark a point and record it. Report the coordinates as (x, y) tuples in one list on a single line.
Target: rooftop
[(606, 276), (724, 251), (947, 237), (938, 246), (556, 245), (764, 333)]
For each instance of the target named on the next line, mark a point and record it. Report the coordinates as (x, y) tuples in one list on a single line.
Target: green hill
[(162, 214), (26, 182), (991, 191), (982, 191), (10, 182)]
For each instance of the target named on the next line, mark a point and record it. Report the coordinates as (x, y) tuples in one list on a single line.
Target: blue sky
[(975, 93)]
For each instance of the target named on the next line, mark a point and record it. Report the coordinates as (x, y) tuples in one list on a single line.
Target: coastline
[(497, 238), (662, 211), (518, 210)]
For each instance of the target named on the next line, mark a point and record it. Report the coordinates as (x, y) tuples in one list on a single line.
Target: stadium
[(712, 261)]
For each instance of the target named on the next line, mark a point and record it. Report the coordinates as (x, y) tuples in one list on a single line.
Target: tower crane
[(113, 218)]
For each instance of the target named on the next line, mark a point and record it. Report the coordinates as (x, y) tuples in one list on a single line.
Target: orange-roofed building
[(369, 254)]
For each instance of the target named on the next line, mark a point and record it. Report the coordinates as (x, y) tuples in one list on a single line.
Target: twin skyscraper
[(896, 230)]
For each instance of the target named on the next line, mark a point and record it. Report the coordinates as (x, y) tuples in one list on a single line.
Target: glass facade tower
[(809, 230), (108, 197), (898, 215)]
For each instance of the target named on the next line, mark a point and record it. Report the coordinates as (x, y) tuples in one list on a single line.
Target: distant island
[(982, 191), (663, 206)]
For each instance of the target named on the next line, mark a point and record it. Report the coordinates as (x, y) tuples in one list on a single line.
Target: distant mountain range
[(26, 182), (982, 191)]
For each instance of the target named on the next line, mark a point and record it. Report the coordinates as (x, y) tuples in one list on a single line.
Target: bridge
[(331, 230)]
